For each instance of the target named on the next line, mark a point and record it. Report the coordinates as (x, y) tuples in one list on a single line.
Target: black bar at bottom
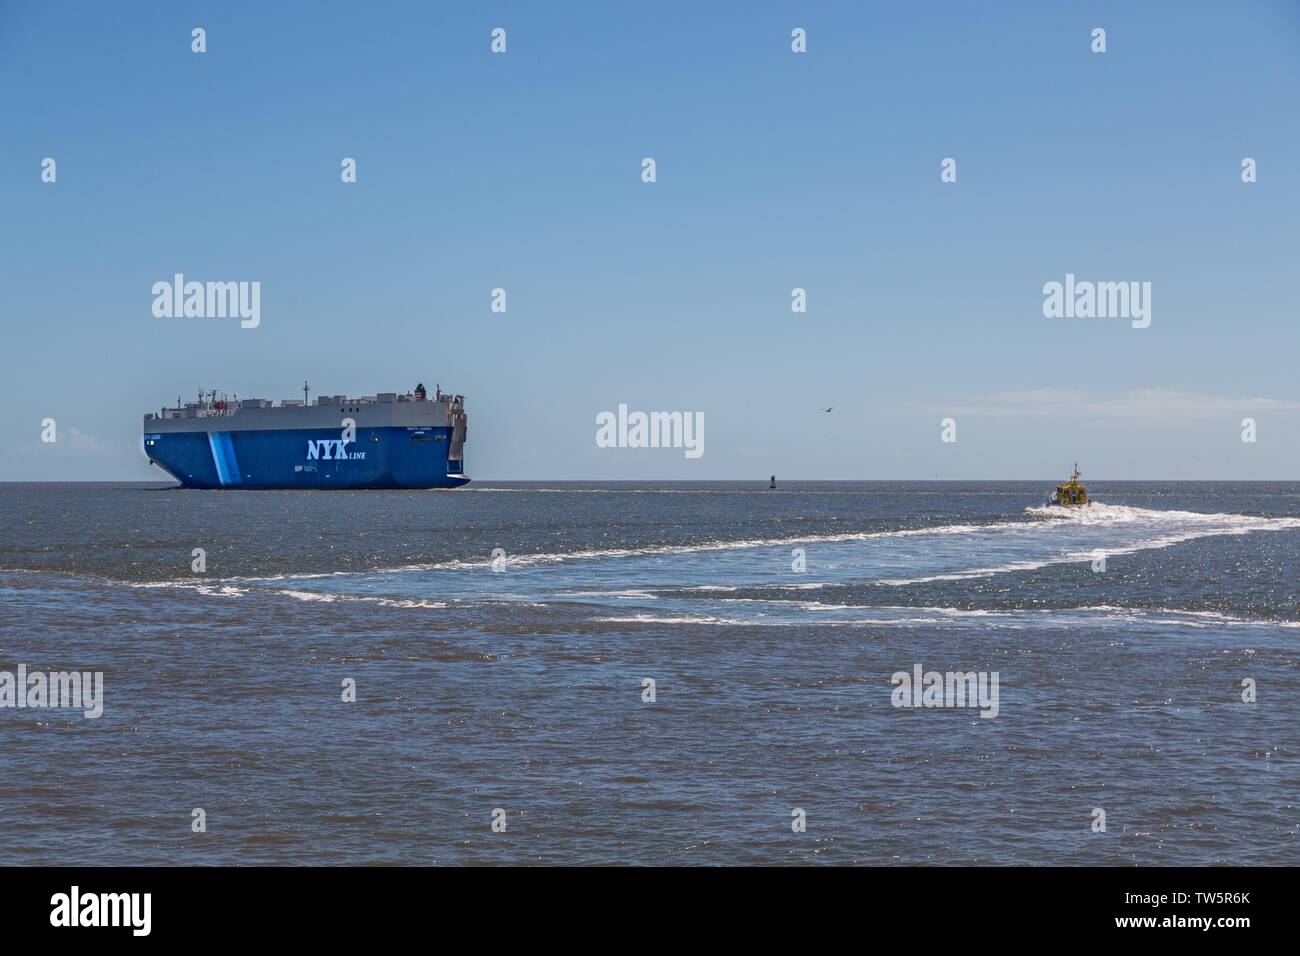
[(336, 905)]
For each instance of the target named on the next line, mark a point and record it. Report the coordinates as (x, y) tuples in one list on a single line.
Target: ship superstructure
[(386, 440), (1071, 493)]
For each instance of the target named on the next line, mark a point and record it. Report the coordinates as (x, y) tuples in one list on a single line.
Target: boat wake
[(1073, 619), (785, 568), (701, 577)]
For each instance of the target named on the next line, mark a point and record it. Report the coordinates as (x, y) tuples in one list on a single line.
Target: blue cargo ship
[(386, 440)]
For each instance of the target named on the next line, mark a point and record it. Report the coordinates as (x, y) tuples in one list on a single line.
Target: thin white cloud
[(1140, 406), (72, 441), (81, 441)]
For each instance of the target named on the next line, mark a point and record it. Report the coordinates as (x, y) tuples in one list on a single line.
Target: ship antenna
[(304, 391)]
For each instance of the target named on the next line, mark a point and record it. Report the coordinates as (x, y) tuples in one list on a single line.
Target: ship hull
[(376, 457)]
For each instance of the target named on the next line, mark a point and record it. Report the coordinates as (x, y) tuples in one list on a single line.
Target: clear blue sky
[(775, 170)]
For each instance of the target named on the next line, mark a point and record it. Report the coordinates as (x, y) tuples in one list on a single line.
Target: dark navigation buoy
[(773, 482)]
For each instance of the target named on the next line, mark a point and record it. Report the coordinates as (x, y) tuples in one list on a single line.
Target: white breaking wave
[(678, 619), (217, 589), (1018, 618), (630, 594), (1100, 513), (560, 557), (1196, 525), (1050, 536), (382, 601)]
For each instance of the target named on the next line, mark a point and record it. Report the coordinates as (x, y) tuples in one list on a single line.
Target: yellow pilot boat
[(1071, 494)]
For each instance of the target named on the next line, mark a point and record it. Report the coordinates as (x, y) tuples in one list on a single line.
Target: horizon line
[(663, 481)]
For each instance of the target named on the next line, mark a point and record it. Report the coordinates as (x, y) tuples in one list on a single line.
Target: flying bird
[(827, 409)]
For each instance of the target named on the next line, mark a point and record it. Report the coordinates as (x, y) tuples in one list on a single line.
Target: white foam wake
[(894, 615), (1194, 525), (1143, 529)]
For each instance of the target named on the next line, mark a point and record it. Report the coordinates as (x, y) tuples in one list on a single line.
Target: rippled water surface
[(1121, 636)]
